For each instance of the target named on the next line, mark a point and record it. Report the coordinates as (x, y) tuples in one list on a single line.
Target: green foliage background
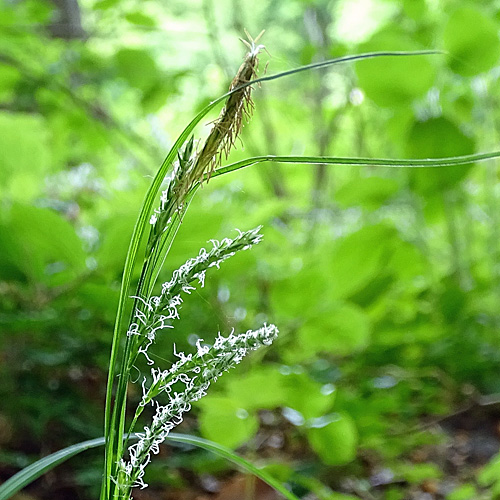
[(384, 282)]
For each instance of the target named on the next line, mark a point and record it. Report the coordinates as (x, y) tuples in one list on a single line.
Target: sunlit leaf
[(305, 395), (46, 247), (334, 440), (224, 421), (358, 258), (369, 192), (263, 387), (340, 329), (394, 82), (21, 167), (471, 38), (138, 68), (141, 19), (417, 473), (437, 138)]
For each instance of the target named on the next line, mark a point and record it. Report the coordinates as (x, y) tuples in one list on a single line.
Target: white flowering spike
[(195, 372), (154, 314)]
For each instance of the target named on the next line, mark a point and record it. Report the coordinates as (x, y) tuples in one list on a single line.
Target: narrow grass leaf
[(40, 467), (359, 162)]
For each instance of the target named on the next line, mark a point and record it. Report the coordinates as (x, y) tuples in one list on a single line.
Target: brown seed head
[(227, 126)]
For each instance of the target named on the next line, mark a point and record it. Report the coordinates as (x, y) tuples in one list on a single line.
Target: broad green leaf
[(9, 76), (368, 192), (11, 265), (45, 247), (417, 473), (105, 4), (306, 395), (300, 293), (376, 288), (156, 95), (411, 335), (396, 127), (395, 81), (490, 473), (471, 38), (437, 138), (334, 439), (262, 387), (340, 329), (466, 491), (452, 302), (39, 11), (141, 19), (138, 68), (406, 261), (415, 9), (358, 258), (280, 470), (224, 421), (462, 107), (23, 167)]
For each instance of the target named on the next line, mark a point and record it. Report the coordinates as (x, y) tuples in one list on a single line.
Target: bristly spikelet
[(239, 105), (228, 125)]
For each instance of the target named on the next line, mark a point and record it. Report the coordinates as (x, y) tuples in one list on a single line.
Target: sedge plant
[(152, 310)]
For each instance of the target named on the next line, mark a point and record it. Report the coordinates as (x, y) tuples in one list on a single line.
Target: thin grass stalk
[(359, 162)]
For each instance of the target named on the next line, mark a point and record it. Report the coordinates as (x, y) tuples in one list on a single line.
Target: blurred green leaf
[(141, 19), (407, 260), (43, 245), (396, 81), (335, 441), (9, 77), (437, 138), (358, 258), (415, 9), (100, 299), (368, 192), (416, 473), (340, 329), (224, 421), (463, 492), (105, 4), (22, 167), (306, 395), (262, 387), (138, 68), (300, 293), (471, 38), (490, 473)]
